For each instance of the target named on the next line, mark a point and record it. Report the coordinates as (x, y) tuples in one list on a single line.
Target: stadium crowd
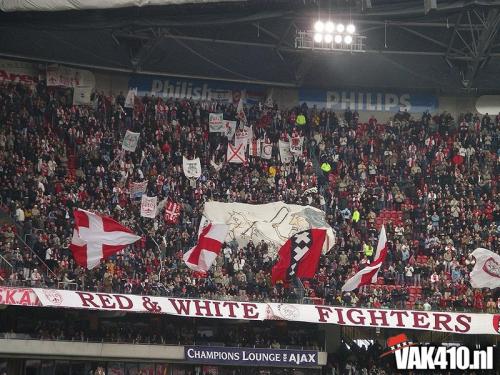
[(431, 179)]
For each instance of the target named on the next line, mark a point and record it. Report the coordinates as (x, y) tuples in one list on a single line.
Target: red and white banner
[(229, 129), (18, 72), (242, 137), (236, 154), (172, 212), (254, 149), (63, 76), (149, 206), (216, 123), (18, 297), (459, 322)]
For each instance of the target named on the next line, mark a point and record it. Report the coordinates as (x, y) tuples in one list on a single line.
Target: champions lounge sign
[(463, 323), (220, 355)]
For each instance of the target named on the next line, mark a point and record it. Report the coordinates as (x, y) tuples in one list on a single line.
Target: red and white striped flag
[(201, 257), (97, 237), (368, 275), (254, 148)]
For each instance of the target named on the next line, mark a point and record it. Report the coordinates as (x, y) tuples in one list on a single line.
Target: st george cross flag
[(210, 238), (486, 272), (299, 256), (368, 274), (236, 154), (97, 237)]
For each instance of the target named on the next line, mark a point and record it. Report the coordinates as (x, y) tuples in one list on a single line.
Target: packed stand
[(431, 180)]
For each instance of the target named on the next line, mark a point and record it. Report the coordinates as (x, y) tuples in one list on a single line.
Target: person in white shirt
[(35, 278)]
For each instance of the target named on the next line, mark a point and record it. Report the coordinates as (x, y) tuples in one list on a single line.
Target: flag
[(216, 123), (274, 223), (137, 189), (296, 145), (97, 237), (254, 149), (381, 245), (236, 154), (486, 272), (229, 129), (240, 112), (129, 100), (242, 137), (81, 95), (285, 154), (369, 273), (149, 206), (130, 141), (299, 256), (172, 212), (266, 150), (210, 239), (191, 168)]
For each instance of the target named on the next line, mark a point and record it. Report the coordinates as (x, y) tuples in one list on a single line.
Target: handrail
[(6, 261)]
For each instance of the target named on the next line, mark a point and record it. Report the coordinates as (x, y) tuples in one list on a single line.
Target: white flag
[(273, 222), (242, 137), (486, 272), (149, 206), (81, 95), (285, 154), (215, 123), (266, 150), (230, 129), (240, 113), (130, 141), (129, 100), (296, 145), (191, 168), (236, 154)]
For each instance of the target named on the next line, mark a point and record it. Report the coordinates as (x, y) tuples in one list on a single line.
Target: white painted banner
[(63, 76), (273, 223), (18, 72), (236, 154), (81, 95), (285, 154), (149, 206), (229, 129), (242, 137), (216, 123), (442, 321), (191, 168), (130, 141), (266, 150)]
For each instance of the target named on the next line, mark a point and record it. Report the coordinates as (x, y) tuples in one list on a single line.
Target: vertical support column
[(333, 337)]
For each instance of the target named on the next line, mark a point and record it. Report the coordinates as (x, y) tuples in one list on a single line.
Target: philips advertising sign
[(221, 355), (178, 88), (369, 100)]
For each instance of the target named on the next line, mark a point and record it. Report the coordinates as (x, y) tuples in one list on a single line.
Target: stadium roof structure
[(454, 48)]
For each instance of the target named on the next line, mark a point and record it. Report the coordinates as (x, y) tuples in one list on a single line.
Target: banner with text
[(178, 88), (368, 100), (221, 355), (441, 321), (13, 71)]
